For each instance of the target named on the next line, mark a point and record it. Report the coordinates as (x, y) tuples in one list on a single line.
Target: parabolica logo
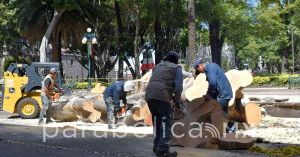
[(212, 129), (194, 130), (140, 130)]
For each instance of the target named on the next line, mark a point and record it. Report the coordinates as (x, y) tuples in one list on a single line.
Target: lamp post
[(89, 38), (293, 52)]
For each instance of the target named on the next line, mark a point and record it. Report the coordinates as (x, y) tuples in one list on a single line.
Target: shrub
[(84, 85), (260, 80), (280, 80)]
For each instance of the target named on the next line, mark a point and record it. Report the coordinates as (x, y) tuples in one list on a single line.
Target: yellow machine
[(22, 88)]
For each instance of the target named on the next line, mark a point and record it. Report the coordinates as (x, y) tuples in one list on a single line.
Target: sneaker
[(166, 154), (154, 150), (230, 127)]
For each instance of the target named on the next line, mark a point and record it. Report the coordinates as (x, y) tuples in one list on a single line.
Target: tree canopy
[(260, 33)]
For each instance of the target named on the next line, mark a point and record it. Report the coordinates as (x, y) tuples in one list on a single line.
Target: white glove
[(187, 74), (190, 75)]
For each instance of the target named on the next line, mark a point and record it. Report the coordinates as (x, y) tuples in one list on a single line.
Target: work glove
[(190, 75)]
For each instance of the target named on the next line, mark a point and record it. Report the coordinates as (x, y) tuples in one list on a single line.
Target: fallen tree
[(92, 107)]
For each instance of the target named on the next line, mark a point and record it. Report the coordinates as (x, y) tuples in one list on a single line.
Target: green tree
[(225, 20)]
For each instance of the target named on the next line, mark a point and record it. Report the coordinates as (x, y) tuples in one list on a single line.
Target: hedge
[(272, 80), (82, 85)]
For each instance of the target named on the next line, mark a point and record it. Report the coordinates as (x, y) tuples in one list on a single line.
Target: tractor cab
[(22, 87)]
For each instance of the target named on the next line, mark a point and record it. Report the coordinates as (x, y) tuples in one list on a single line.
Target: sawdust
[(276, 130)]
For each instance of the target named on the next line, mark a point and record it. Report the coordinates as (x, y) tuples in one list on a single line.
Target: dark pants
[(224, 104), (162, 119)]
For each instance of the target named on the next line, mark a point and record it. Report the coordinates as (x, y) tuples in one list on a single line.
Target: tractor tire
[(28, 108)]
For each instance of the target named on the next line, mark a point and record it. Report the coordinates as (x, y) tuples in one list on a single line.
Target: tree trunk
[(157, 32), (216, 41), (130, 67), (60, 55), (192, 33), (45, 41), (120, 31), (284, 61), (56, 49), (136, 42)]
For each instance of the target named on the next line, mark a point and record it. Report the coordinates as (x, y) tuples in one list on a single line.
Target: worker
[(219, 87), (165, 85), (47, 92), (112, 96)]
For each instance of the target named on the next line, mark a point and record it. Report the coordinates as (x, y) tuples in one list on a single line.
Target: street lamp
[(89, 38), (293, 52)]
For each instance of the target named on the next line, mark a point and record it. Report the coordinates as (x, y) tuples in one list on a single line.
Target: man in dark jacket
[(219, 87), (165, 85), (112, 96)]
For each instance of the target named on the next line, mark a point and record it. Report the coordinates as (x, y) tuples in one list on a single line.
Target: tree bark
[(130, 67), (45, 40), (216, 41), (120, 32), (136, 42), (56, 49), (157, 32), (192, 33)]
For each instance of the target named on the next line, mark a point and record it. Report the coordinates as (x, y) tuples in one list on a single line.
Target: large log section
[(200, 109)]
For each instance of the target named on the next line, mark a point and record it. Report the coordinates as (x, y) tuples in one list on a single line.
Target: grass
[(288, 151)]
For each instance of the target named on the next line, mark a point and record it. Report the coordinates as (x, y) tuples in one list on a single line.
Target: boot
[(48, 117), (166, 154), (41, 122)]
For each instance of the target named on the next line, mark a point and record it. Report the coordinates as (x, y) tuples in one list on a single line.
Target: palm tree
[(34, 16)]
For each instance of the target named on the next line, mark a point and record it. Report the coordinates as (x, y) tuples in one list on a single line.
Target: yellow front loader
[(22, 88)]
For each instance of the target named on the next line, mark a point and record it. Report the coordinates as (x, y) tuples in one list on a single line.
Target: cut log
[(204, 122), (197, 89), (252, 114), (87, 109), (238, 80), (282, 112), (98, 89), (236, 112), (281, 100), (287, 105), (94, 108), (234, 141), (254, 99)]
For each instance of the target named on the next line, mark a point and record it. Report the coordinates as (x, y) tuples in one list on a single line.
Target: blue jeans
[(45, 108), (109, 102), (224, 104), (162, 117)]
